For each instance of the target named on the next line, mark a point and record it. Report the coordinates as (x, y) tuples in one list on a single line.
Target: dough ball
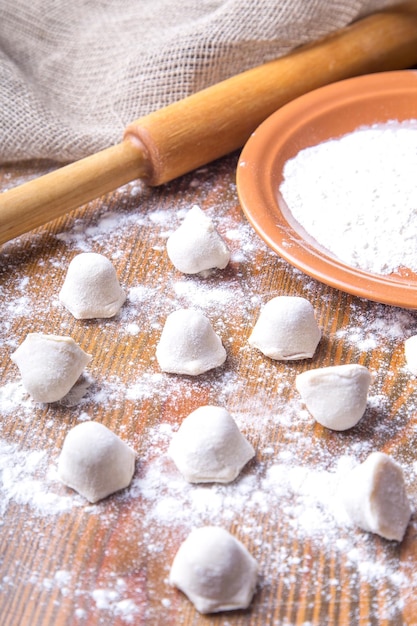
[(196, 247), (188, 344), (95, 462), (91, 288), (214, 570), (209, 447), (50, 365), (335, 396), (375, 498), (286, 329), (410, 350)]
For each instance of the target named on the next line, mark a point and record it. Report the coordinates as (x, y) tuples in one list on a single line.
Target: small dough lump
[(410, 350), (91, 288), (335, 396), (209, 447), (49, 365), (95, 462), (196, 246), (286, 329), (188, 344), (214, 570), (375, 499)]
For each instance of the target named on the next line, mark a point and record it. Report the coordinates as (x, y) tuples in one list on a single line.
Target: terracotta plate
[(325, 113)]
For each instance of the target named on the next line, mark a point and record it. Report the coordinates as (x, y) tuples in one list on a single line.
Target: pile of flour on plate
[(357, 196)]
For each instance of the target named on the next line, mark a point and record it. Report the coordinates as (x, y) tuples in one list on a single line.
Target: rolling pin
[(213, 122)]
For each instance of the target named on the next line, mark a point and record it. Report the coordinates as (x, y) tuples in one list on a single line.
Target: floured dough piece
[(50, 365), (188, 344), (95, 462), (209, 447), (375, 498), (286, 329), (91, 288), (214, 570), (410, 350), (196, 247), (335, 396)]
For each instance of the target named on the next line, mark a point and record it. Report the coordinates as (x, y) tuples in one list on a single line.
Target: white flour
[(357, 196)]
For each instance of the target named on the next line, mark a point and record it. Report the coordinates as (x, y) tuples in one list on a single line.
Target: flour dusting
[(357, 197)]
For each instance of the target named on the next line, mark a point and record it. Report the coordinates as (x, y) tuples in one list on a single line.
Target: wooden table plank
[(63, 562)]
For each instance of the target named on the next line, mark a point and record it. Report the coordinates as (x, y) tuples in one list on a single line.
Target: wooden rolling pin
[(215, 121)]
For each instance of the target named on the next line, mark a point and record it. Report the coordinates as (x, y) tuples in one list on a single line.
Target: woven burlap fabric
[(74, 73)]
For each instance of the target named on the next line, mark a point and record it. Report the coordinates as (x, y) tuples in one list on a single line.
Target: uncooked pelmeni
[(188, 344), (196, 246), (214, 570), (91, 288), (95, 462), (286, 329), (375, 498), (410, 351), (49, 365), (209, 447), (335, 396)]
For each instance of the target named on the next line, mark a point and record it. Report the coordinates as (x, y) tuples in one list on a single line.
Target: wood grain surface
[(64, 562)]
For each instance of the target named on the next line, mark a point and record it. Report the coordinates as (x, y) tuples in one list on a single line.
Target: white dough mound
[(375, 498), (49, 365), (286, 329), (335, 396), (91, 288), (214, 570), (196, 247), (410, 350), (95, 462), (188, 344), (209, 447)]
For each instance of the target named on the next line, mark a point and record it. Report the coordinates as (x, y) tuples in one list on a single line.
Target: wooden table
[(64, 562)]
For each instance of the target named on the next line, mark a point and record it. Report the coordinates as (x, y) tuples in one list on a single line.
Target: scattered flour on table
[(27, 478), (368, 330), (112, 600), (357, 197), (295, 496)]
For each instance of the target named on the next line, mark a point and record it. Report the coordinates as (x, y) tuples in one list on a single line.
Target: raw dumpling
[(335, 396), (214, 570), (188, 344), (209, 447), (91, 288), (95, 462), (410, 350), (196, 247), (375, 498), (50, 365), (286, 329)]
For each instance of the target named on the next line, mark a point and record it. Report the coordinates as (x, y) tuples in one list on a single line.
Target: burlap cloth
[(73, 73)]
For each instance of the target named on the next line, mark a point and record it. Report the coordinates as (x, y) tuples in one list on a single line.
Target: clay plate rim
[(324, 113)]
